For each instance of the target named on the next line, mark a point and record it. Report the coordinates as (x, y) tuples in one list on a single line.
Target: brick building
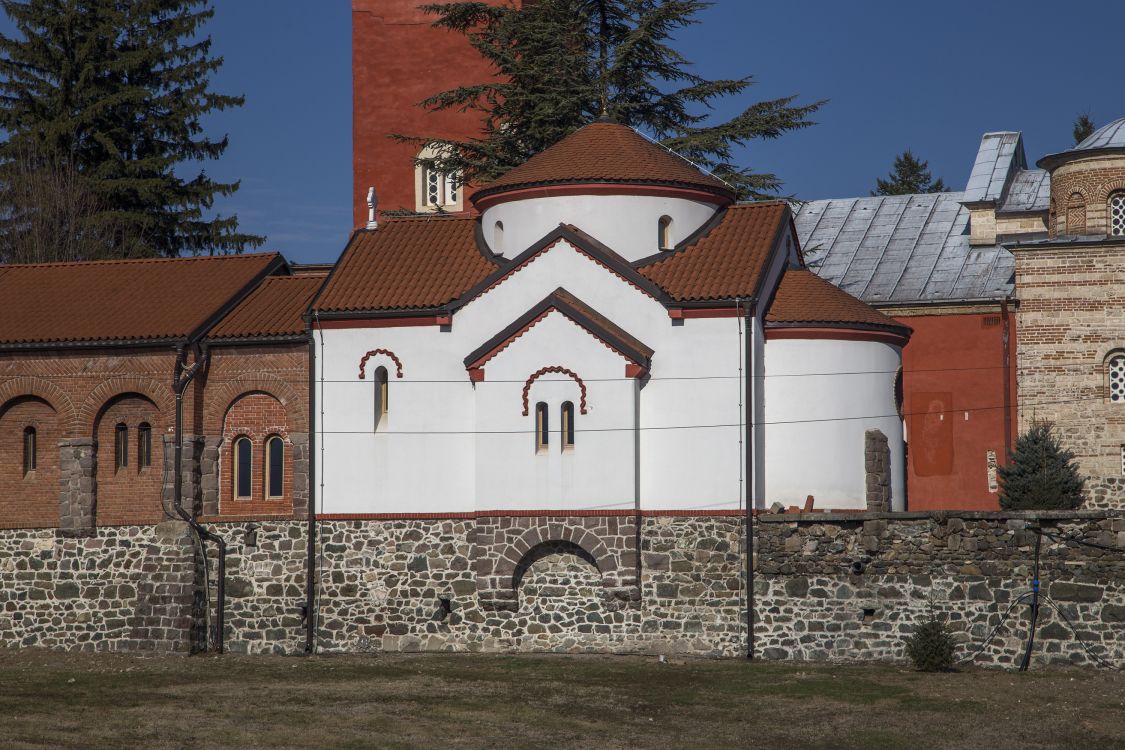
[(89, 355), (1071, 286)]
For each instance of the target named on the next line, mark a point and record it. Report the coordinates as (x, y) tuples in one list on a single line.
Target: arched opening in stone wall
[(560, 591), (262, 481), (128, 490), (29, 482)]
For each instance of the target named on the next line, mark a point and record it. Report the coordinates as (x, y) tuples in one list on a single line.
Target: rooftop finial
[(372, 204)]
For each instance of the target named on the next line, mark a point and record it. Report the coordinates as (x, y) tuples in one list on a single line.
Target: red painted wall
[(954, 404), (398, 60)]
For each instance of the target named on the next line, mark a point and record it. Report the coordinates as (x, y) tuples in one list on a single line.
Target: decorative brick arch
[(374, 352), (95, 403), (29, 385), (559, 369), (502, 543), (1107, 189), (224, 397)]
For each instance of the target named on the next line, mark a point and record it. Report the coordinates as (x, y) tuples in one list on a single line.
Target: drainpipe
[(184, 376), (751, 481), (1007, 344), (310, 542)]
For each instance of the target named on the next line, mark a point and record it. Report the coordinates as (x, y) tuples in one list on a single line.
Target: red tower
[(399, 59)]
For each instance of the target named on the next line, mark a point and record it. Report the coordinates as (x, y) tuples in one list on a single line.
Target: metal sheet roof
[(901, 249), (1111, 135), (1030, 191), (999, 156)]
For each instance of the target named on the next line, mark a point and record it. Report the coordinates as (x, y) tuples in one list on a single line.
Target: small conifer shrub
[(1041, 474), (931, 646)]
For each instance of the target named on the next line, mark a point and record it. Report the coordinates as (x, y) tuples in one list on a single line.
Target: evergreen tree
[(909, 176), (1040, 475), (116, 90), (560, 64), (1084, 127)]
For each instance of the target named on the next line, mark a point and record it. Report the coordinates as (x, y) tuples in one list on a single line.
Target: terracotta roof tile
[(725, 263), (605, 152), (805, 298), (406, 264), (120, 300), (273, 309)]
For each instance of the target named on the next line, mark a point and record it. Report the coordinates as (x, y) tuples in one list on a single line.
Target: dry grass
[(81, 701)]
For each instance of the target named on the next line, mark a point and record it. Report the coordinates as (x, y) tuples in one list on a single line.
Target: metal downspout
[(310, 548), (183, 378), (1007, 344), (751, 483)]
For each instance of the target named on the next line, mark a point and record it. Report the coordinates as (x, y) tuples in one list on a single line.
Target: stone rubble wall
[(853, 587), (124, 588)]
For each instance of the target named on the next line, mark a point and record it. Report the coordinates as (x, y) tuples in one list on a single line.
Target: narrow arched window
[(1076, 214), (566, 429), (144, 445), (243, 458), (30, 450), (664, 233), (275, 467), (121, 446), (498, 237), (1117, 214), (382, 396), (1115, 376), (542, 427)]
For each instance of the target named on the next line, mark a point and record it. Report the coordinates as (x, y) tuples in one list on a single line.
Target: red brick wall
[(131, 494), (399, 59), (30, 499), (257, 416)]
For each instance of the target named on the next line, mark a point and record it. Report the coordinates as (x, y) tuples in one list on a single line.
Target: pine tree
[(560, 64), (116, 89), (1041, 474), (909, 176), (1084, 127)]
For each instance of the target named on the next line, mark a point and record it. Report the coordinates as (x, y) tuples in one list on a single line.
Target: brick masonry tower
[(399, 59)]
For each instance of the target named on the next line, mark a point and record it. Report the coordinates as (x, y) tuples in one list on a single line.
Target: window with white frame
[(1115, 374), (1117, 214), (436, 190)]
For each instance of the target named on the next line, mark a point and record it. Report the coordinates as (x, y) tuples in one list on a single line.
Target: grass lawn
[(434, 701)]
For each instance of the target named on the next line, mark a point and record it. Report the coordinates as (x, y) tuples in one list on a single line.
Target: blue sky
[(931, 77)]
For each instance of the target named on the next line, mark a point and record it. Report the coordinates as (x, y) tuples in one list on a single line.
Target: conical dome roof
[(606, 152), (1107, 138)]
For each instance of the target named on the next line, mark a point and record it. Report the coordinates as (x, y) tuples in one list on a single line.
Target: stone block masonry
[(125, 588)]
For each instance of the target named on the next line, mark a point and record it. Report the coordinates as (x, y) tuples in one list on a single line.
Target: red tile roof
[(605, 152), (803, 298), (406, 264), (273, 309), (726, 262), (121, 300)]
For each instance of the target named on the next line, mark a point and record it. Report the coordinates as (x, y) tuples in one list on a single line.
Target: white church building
[(611, 332)]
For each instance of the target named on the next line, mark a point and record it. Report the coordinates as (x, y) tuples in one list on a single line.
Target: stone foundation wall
[(125, 588), (853, 587)]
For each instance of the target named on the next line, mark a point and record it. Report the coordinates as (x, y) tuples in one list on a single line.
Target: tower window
[(275, 465), (1115, 370), (498, 237), (567, 425), (382, 394), (542, 428), (435, 189), (121, 446), (30, 450), (144, 445), (243, 456), (664, 233), (1117, 214)]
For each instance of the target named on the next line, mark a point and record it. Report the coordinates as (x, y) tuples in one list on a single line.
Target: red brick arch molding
[(376, 352), (502, 544), (107, 390), (1107, 189), (28, 385), (561, 370), (224, 397)]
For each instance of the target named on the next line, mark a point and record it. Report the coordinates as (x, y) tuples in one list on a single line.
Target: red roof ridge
[(136, 261)]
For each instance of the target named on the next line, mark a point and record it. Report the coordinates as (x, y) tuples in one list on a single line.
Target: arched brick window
[(275, 468), (1115, 377), (128, 491), (1076, 214), (29, 463), (144, 446), (243, 468), (121, 446), (30, 450), (1116, 210)]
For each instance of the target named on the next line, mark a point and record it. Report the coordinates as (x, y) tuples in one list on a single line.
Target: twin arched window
[(436, 190), (121, 446), (273, 475), (543, 427)]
